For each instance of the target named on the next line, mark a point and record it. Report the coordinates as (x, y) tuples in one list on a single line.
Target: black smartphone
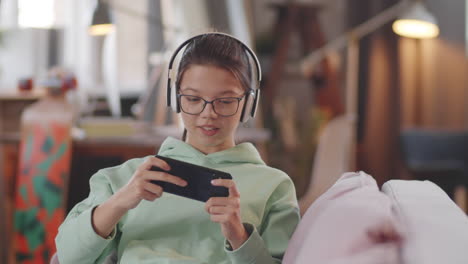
[(198, 180)]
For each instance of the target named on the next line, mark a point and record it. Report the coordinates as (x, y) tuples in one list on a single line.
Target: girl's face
[(209, 131)]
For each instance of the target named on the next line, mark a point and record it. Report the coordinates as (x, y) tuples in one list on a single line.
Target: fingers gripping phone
[(198, 180)]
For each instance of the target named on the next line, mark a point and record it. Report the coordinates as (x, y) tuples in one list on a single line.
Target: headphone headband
[(185, 43)]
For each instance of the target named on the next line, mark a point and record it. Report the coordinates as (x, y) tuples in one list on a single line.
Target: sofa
[(355, 222), (404, 222)]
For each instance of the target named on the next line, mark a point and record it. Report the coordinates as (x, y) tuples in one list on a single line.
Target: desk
[(11, 107)]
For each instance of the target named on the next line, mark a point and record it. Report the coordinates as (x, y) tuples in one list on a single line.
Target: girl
[(128, 219)]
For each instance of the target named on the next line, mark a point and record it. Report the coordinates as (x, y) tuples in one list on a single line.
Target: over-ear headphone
[(251, 98)]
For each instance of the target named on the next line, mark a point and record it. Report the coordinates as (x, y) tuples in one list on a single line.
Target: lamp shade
[(417, 22), (101, 23)]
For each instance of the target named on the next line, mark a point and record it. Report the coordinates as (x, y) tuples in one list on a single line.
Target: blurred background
[(373, 85)]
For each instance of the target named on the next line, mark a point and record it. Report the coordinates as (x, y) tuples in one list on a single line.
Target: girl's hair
[(220, 51)]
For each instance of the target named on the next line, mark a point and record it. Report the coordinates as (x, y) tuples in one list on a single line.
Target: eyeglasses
[(194, 105)]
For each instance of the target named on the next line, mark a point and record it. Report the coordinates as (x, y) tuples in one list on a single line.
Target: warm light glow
[(36, 13), (99, 30), (412, 28)]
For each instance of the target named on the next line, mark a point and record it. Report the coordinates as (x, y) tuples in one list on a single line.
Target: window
[(36, 13)]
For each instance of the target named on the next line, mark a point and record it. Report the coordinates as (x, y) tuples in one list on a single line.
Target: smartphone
[(198, 180)]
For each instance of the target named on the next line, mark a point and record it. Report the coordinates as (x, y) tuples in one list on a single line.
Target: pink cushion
[(351, 222)]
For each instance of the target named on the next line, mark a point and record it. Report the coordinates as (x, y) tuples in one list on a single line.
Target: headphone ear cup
[(253, 111), (172, 98), (168, 93), (246, 111)]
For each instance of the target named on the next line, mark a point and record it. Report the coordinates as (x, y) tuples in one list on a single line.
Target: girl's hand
[(226, 211), (139, 187)]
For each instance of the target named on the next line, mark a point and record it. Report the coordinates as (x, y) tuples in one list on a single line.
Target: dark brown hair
[(220, 51)]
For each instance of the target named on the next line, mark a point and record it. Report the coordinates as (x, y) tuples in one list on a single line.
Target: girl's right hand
[(140, 186)]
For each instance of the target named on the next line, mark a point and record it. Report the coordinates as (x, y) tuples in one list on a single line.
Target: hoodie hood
[(239, 154)]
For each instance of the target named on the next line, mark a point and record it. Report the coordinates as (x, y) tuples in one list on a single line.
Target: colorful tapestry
[(44, 168)]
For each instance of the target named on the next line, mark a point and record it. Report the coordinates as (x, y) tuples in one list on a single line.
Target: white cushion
[(435, 229)]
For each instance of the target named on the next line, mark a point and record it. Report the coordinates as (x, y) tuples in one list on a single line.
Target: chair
[(436, 155), (333, 158)]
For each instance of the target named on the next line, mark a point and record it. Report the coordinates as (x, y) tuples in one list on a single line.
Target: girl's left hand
[(226, 211)]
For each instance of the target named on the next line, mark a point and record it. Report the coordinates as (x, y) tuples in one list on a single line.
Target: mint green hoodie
[(174, 229)]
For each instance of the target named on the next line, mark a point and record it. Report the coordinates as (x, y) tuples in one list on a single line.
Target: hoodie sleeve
[(76, 241), (268, 244)]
